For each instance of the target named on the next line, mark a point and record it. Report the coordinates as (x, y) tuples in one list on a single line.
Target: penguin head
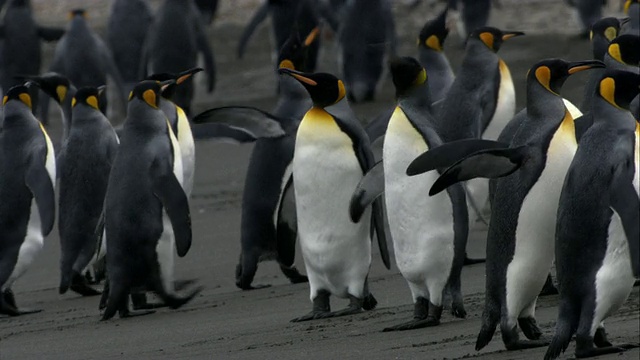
[(434, 32), (493, 37), (173, 80), (53, 84), (77, 13), (608, 28), (618, 87), (293, 54), (149, 91), (324, 89), (19, 93), (89, 96), (552, 73), (407, 74), (625, 49)]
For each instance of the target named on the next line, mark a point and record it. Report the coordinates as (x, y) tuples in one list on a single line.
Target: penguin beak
[(624, 20), (578, 66), (187, 74), (313, 35), (510, 34), (101, 89), (298, 75), (165, 84)]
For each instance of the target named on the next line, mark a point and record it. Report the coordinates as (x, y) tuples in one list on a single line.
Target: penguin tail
[(565, 328), (117, 299), (490, 319), (65, 282)]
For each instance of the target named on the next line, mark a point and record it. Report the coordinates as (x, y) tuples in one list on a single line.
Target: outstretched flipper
[(447, 154), (370, 188), (243, 124), (168, 189), (493, 163), (259, 16), (39, 183)]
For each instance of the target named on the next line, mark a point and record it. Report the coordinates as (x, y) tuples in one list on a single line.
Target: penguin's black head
[(178, 79), (407, 73), (20, 3), (53, 84), (149, 91), (324, 89), (434, 32), (625, 49), (293, 54), (89, 96), (20, 93), (619, 87), (77, 12), (608, 28), (493, 37), (552, 73)]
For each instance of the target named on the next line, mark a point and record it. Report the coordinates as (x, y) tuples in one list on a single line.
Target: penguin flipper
[(239, 120), (449, 153), (50, 33), (259, 16), (491, 163), (370, 188), (167, 188), (40, 184)]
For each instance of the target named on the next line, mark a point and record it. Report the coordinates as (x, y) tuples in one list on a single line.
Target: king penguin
[(430, 233), (128, 24), (145, 176), (173, 43), (522, 228), (332, 153), (84, 164), (432, 57), (84, 59), (27, 199), (269, 225), (597, 234), (20, 46)]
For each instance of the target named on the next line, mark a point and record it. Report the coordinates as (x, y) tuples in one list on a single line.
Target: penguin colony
[(563, 182)]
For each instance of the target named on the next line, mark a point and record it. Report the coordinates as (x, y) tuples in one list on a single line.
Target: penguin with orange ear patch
[(84, 164)]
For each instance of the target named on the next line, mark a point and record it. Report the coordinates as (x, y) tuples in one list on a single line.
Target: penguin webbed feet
[(425, 314), (8, 305), (321, 307), (512, 340), (585, 347), (80, 285), (530, 328)]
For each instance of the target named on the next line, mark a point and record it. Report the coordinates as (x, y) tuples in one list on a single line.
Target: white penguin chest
[(421, 225), (636, 178), (187, 150), (535, 233), (505, 104), (326, 171)]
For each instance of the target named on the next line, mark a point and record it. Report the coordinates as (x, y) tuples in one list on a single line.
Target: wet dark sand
[(224, 322)]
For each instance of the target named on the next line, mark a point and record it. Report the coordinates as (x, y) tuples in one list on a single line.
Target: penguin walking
[(430, 233), (146, 175), (367, 32), (522, 227), (129, 22), (173, 43), (269, 225), (20, 51), (27, 199), (331, 155), (597, 232), (84, 59), (84, 164)]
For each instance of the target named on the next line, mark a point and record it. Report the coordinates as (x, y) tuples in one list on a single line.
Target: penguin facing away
[(27, 199), (332, 148), (148, 180), (597, 234), (174, 41), (430, 233), (84, 164), (522, 228), (431, 55), (20, 51)]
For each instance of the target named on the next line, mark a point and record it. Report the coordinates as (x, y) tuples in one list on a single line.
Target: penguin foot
[(321, 307), (256, 287), (293, 274), (105, 296), (80, 285), (600, 338), (549, 288), (592, 352), (530, 328), (421, 317), (522, 345), (413, 324), (457, 310), (8, 305), (470, 261), (369, 302), (126, 313), (313, 315)]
